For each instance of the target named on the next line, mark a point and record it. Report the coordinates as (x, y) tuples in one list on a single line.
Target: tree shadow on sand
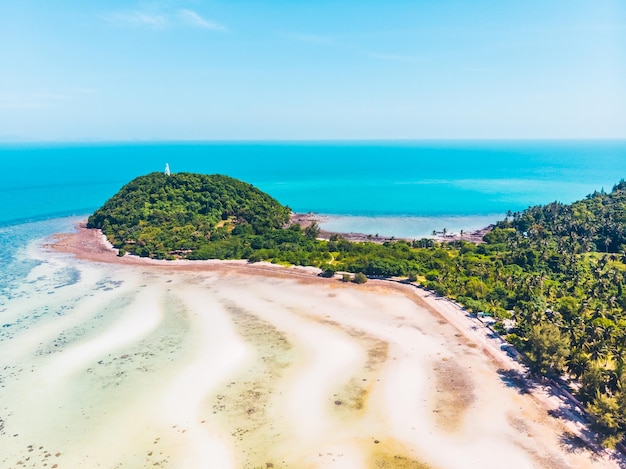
[(573, 443), (516, 379)]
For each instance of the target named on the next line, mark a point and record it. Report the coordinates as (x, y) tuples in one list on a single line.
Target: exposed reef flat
[(141, 363)]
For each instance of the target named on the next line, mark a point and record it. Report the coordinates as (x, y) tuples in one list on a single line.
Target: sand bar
[(223, 364)]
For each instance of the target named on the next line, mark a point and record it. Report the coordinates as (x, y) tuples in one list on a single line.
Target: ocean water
[(405, 189), (78, 338), (395, 189)]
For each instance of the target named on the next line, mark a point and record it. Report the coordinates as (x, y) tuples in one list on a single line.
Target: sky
[(76, 70)]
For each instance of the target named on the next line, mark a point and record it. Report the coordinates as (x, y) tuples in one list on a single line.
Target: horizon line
[(311, 141)]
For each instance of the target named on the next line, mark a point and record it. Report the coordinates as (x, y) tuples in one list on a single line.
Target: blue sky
[(324, 70)]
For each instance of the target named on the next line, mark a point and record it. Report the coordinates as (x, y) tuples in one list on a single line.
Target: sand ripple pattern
[(131, 367)]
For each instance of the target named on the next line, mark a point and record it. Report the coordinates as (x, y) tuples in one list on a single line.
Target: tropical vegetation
[(164, 216), (552, 276)]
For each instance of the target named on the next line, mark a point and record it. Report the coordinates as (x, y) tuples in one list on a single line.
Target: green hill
[(597, 222), (551, 276), (159, 216)]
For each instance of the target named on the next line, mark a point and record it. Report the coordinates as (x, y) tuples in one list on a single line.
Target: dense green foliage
[(595, 223), (559, 271), (159, 216), (553, 276)]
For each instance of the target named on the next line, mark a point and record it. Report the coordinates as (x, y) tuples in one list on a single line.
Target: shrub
[(254, 257), (359, 278)]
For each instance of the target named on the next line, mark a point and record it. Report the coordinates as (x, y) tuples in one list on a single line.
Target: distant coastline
[(306, 219)]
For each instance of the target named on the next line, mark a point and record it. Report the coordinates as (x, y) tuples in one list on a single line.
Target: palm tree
[(579, 362)]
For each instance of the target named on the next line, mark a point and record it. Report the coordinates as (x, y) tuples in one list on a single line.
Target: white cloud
[(192, 18), (161, 17), (137, 18)]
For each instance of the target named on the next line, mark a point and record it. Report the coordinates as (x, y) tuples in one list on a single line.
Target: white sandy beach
[(140, 365)]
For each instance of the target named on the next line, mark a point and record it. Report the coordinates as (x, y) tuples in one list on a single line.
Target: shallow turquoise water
[(406, 189), (424, 179), (393, 188)]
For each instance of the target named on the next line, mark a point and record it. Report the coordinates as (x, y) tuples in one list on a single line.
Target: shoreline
[(185, 363), (91, 245), (306, 219)]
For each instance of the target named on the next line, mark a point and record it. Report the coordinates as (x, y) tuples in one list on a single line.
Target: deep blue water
[(428, 179), (403, 188)]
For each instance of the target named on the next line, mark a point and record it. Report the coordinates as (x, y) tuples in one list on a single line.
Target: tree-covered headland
[(553, 276), (187, 215)]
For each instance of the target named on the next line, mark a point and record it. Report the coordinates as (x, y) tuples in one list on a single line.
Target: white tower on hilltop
[(167, 169)]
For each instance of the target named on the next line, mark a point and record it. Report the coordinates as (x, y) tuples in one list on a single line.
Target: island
[(551, 278), (199, 323)]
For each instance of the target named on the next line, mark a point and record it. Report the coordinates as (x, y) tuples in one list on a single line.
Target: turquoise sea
[(404, 189)]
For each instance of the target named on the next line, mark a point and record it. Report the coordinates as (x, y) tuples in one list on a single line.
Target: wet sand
[(141, 363)]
